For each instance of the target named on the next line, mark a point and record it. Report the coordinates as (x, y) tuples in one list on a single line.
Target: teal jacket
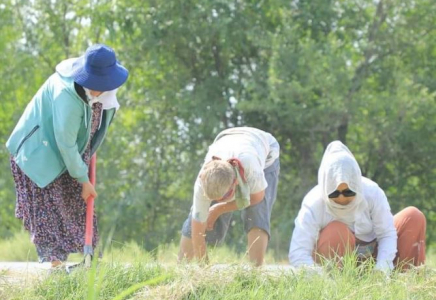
[(53, 133)]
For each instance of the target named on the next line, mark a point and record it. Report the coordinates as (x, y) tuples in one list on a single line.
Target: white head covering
[(107, 98), (338, 166)]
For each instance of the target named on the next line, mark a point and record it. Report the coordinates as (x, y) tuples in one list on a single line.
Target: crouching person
[(347, 213)]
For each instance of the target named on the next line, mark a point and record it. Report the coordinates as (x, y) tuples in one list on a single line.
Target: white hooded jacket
[(368, 216)]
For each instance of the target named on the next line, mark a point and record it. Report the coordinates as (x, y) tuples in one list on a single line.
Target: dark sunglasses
[(346, 193)]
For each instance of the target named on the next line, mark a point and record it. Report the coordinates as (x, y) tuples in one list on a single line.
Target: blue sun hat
[(99, 70)]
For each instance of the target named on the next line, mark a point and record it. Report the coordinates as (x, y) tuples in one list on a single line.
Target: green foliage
[(18, 248), (307, 71)]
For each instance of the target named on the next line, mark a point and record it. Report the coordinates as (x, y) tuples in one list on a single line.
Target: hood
[(338, 166)]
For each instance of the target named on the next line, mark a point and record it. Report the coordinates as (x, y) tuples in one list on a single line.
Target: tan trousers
[(336, 239)]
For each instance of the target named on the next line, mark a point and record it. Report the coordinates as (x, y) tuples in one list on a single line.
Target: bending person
[(241, 171), (51, 145)]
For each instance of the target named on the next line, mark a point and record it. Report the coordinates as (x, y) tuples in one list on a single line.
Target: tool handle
[(90, 204)]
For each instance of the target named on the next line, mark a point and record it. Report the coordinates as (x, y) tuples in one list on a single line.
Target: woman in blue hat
[(51, 145)]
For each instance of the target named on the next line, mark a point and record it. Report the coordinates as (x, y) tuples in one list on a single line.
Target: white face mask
[(346, 213), (107, 98), (92, 99), (339, 166)]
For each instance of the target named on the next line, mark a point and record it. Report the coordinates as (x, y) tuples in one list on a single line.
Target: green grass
[(128, 272), (148, 280), (104, 281), (18, 248)]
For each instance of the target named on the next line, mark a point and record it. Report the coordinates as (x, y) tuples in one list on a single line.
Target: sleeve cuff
[(384, 265), (82, 179)]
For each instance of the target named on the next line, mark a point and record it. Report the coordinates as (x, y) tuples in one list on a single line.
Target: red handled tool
[(89, 228)]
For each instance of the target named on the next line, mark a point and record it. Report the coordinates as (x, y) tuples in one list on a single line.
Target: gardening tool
[(89, 230), (88, 252)]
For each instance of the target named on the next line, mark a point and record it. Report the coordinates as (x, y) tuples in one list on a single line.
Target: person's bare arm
[(198, 237), (224, 207), (216, 210), (256, 198)]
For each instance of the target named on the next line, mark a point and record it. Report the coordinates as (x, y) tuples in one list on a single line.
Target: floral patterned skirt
[(55, 215)]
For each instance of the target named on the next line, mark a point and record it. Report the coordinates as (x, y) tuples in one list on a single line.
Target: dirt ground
[(19, 272)]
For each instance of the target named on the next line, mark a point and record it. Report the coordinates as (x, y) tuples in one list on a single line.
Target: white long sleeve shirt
[(374, 222)]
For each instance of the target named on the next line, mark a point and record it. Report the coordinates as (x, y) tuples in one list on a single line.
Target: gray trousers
[(258, 215)]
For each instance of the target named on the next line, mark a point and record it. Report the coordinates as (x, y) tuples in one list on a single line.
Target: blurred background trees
[(309, 72)]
